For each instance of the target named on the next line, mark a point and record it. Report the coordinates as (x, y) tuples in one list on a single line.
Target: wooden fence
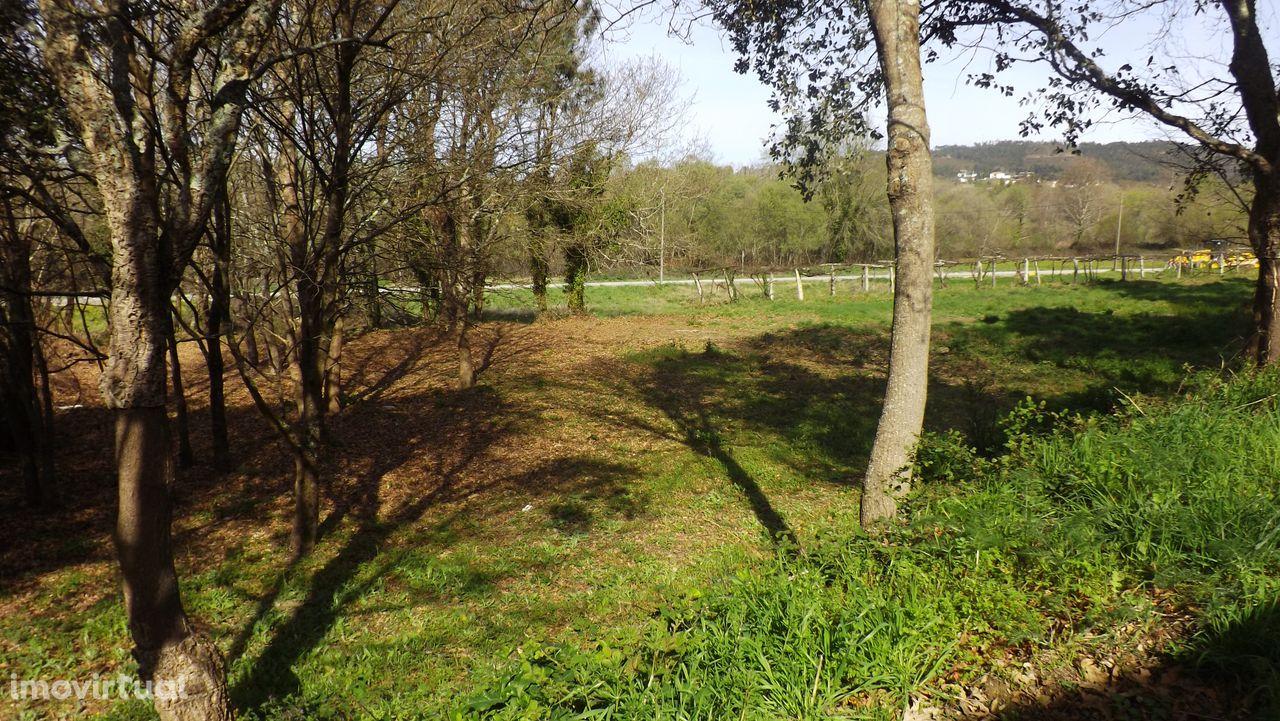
[(881, 275)]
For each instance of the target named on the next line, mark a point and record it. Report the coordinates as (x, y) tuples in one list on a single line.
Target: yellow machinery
[(1212, 260)]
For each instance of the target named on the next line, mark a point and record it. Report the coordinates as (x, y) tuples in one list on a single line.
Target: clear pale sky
[(730, 116)]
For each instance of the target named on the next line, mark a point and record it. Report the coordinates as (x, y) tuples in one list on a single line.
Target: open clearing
[(604, 466)]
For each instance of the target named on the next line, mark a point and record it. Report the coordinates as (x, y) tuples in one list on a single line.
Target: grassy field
[(652, 513)]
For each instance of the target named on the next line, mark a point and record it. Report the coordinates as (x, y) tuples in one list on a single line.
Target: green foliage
[(1068, 530), (714, 215)]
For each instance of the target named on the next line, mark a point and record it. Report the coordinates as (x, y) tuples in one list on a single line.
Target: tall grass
[(1076, 528)]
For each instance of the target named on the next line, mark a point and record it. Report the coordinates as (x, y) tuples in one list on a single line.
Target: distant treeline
[(695, 213)]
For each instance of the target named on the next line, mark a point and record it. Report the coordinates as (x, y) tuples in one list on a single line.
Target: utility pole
[(1119, 225), (662, 238)]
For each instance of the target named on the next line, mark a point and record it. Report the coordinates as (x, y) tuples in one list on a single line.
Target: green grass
[(647, 574), (1064, 535)]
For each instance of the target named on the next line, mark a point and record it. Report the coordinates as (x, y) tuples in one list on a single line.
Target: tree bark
[(333, 367), (167, 649), (895, 26), (466, 362), (464, 298), (308, 364), (306, 478), (1264, 236)]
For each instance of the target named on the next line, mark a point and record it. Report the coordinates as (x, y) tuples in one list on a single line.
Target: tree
[(855, 209), (815, 57), (22, 404), (317, 113), (1081, 201), (592, 219), (156, 93), (585, 124), (1236, 117), (897, 35), (41, 193), (564, 91), (481, 141)]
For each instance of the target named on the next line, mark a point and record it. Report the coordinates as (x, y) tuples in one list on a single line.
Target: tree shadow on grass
[(1230, 293), (475, 421), (811, 395), (1229, 673), (373, 380), (457, 430), (1105, 355), (757, 395), (578, 491), (80, 532), (1146, 353)]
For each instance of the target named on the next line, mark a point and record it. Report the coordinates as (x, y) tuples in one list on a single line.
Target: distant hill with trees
[(1145, 162)]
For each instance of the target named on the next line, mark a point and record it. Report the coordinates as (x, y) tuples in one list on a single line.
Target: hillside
[(1128, 162)]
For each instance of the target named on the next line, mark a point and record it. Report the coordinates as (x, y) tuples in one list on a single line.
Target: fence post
[(697, 283), (993, 272), (977, 274), (799, 286), (1142, 267), (1037, 267), (893, 277), (768, 285), (866, 279), (1026, 272), (832, 292)]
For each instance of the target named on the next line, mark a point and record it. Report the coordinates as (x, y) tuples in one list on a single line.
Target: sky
[(729, 118)]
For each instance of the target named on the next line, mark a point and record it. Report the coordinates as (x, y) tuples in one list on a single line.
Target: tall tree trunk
[(216, 320), (307, 364), (575, 276), (148, 255), (538, 269), (30, 427), (1264, 236), (306, 479), (464, 297), (1251, 67), (44, 459), (333, 367), (895, 25), (185, 455), (372, 290), (466, 361), (477, 289), (252, 352), (428, 292), (168, 650)]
